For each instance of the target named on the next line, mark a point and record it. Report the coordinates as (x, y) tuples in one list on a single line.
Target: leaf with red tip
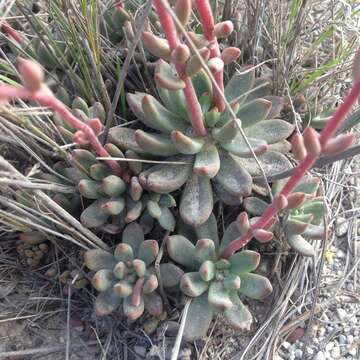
[(295, 200), (96, 126), (193, 285), (107, 302), (93, 216), (31, 73), (223, 29), (155, 144), (124, 138), (295, 227), (166, 77), (207, 162), (280, 202), (262, 235), (103, 280), (209, 230), (243, 222), (277, 104), (157, 46), (180, 55), (207, 270), (133, 312), (230, 54), (194, 64), (148, 250), (185, 144), (218, 296), (300, 245), (98, 259), (255, 206), (205, 250)]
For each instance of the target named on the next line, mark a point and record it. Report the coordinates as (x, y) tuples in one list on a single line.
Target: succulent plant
[(301, 220), (215, 283), (126, 277), (207, 153), (32, 248)]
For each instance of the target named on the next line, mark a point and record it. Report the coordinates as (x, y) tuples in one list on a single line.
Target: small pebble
[(286, 345), (319, 356), (350, 339), (342, 339), (341, 226), (335, 352), (341, 313), (352, 352), (329, 346), (310, 351), (298, 354)]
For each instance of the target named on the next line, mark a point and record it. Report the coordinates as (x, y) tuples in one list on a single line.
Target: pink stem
[(46, 98), (8, 29), (137, 289), (193, 105), (299, 172), (208, 23)]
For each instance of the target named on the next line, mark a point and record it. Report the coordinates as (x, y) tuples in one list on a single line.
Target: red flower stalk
[(208, 23), (312, 145), (9, 30), (34, 89), (193, 105)]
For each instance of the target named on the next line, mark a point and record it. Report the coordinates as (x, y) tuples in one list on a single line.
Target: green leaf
[(239, 147), (277, 104), (98, 259), (239, 85), (207, 270), (225, 196), (124, 138), (84, 157), (114, 206), (244, 262), (166, 178), (315, 232), (225, 133), (185, 144), (89, 189), (170, 275), (113, 185), (155, 144), (262, 87), (198, 318), (133, 235), (153, 304), (218, 296), (182, 251), (231, 233), (81, 104), (174, 101), (208, 230), (309, 185), (159, 118), (300, 245), (167, 220), (207, 162), (238, 316), (255, 206), (133, 312), (271, 131), (253, 112), (192, 284), (103, 280), (99, 171), (123, 252), (93, 216), (202, 84), (205, 250), (316, 208), (233, 177), (295, 227), (166, 76), (148, 251), (107, 302), (196, 202), (255, 286), (154, 209)]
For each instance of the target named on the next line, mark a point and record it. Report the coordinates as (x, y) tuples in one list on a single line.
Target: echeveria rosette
[(219, 161), (216, 284), (127, 277), (301, 221)]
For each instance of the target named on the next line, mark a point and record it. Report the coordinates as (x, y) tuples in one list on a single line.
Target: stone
[(352, 352), (320, 356), (335, 352), (329, 346), (298, 354), (286, 345), (350, 339), (341, 226), (342, 340)]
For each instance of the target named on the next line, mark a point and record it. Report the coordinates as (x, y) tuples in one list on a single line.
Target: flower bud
[(96, 126), (183, 11), (230, 54), (280, 202), (338, 144), (311, 141), (243, 222), (157, 46), (180, 54), (298, 148), (223, 29), (216, 65), (262, 235), (32, 74)]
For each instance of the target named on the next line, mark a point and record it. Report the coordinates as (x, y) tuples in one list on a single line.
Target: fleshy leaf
[(93, 216), (300, 245), (205, 250), (166, 77), (192, 284), (208, 230), (315, 208), (159, 118), (124, 138), (240, 84), (165, 178), (262, 87), (225, 196), (218, 296), (170, 275), (153, 304), (270, 131), (233, 177), (207, 162), (225, 133), (238, 316), (197, 200), (132, 312), (202, 84), (231, 233), (255, 286), (244, 261), (98, 259), (107, 302), (103, 280), (148, 251), (167, 219), (255, 206), (133, 235), (315, 232), (123, 252), (198, 318), (155, 144), (295, 227), (182, 251), (253, 112), (277, 104), (239, 147), (185, 144)]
